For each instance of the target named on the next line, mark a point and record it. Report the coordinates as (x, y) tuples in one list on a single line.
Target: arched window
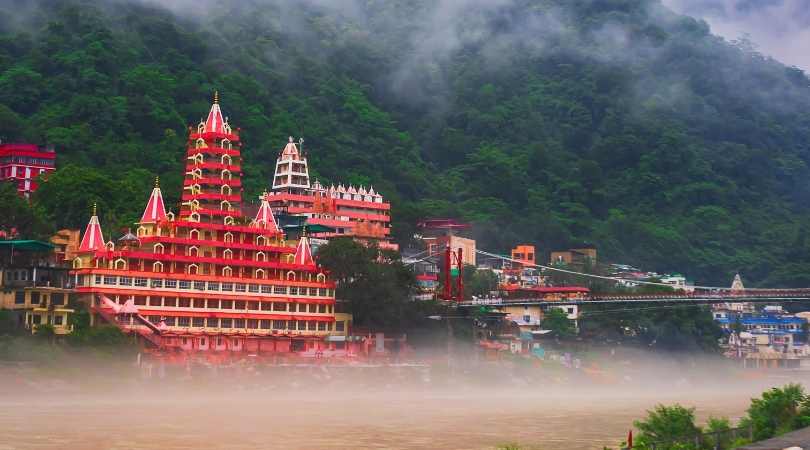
[(228, 237), (226, 174), (200, 143), (194, 234), (225, 190), (196, 173), (225, 205), (170, 215), (157, 266), (290, 258), (110, 246), (228, 220), (196, 188), (141, 231), (227, 271), (193, 251), (291, 276), (321, 278), (120, 264), (194, 217), (227, 254), (259, 273), (192, 269), (77, 263), (261, 256), (261, 240), (226, 143), (158, 248)]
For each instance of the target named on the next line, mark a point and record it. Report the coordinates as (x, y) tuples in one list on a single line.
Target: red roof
[(155, 210)]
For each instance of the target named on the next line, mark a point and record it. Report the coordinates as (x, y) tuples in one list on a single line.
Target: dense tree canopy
[(546, 121)]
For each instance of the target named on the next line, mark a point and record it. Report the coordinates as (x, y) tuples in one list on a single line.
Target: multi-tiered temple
[(350, 211), (208, 278)]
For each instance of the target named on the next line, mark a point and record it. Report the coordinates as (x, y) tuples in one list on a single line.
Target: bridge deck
[(687, 299)]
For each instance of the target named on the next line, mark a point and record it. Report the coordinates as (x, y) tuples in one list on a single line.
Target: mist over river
[(361, 408)]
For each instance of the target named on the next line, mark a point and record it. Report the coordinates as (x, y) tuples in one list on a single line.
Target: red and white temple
[(207, 278), (351, 211), (22, 164)]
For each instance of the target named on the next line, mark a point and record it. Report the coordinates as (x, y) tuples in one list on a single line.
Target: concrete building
[(24, 163), (34, 286), (435, 245)]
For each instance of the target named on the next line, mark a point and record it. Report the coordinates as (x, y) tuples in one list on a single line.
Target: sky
[(779, 28)]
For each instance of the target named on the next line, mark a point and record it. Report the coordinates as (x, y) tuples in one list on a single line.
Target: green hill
[(614, 122)]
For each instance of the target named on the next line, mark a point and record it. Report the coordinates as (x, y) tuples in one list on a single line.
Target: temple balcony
[(216, 181)]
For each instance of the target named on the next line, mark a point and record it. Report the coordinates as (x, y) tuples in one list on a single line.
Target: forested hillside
[(614, 122)]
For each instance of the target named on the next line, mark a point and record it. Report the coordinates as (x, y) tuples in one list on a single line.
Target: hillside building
[(354, 211), (22, 164)]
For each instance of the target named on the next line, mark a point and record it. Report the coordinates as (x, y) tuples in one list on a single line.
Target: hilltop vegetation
[(556, 122)]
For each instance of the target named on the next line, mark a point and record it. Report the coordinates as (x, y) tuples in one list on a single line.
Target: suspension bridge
[(696, 295)]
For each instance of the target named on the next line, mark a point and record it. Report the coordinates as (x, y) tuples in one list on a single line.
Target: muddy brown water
[(544, 417)]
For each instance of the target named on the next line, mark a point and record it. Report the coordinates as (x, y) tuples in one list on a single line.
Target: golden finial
[(95, 207), (216, 96), (157, 182)]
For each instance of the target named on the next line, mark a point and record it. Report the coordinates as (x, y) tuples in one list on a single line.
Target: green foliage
[(28, 220), (669, 148), (374, 283), (666, 426), (479, 282), (778, 411), (557, 321)]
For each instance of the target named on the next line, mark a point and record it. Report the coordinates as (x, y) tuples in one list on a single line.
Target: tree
[(21, 218), (376, 285), (666, 427), (557, 321), (778, 411)]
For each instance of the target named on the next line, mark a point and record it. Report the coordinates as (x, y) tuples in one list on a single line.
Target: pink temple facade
[(207, 278)]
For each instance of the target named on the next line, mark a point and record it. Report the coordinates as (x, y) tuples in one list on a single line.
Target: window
[(239, 323), (340, 326), (171, 284), (58, 320), (184, 284), (321, 292), (57, 299), (199, 285), (156, 283), (183, 321), (253, 288), (213, 322), (240, 287), (266, 289), (302, 325), (293, 290), (154, 301), (97, 280), (172, 301), (140, 282), (185, 302), (35, 298), (253, 306), (199, 303), (37, 319), (322, 309), (19, 298), (253, 323), (227, 304), (313, 292), (267, 306), (212, 286), (265, 324), (170, 321), (226, 323), (278, 306), (280, 290), (239, 304), (228, 287), (109, 280), (321, 326), (198, 322), (527, 319), (279, 324)]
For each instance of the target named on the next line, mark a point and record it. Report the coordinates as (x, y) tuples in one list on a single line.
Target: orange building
[(358, 212), (525, 254), (208, 278)]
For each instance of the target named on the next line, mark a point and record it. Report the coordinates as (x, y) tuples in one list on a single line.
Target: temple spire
[(303, 254), (155, 209), (264, 217), (214, 123), (93, 239)]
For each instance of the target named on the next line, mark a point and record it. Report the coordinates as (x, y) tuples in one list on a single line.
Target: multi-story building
[(208, 278), (436, 245), (23, 163), (34, 286), (358, 212)]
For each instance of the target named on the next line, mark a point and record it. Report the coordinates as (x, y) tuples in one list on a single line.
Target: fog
[(475, 403)]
